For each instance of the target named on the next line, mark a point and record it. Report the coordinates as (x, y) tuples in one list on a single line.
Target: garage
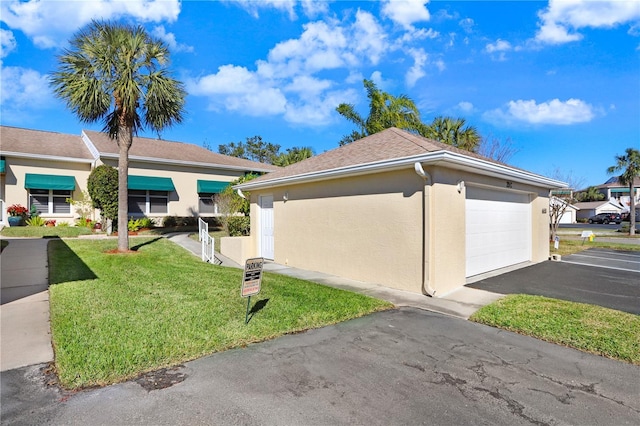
[(497, 229)]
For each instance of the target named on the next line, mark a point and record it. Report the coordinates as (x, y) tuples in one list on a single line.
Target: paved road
[(398, 367), (605, 286), (609, 259)]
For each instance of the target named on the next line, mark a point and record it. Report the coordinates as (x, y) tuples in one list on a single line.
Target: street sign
[(252, 277)]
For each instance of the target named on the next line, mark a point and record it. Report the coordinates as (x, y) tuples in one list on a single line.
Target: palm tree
[(293, 155), (629, 165), (590, 194), (116, 74), (452, 131), (385, 111)]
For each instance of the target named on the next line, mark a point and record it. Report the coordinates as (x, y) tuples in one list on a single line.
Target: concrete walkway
[(25, 331), (25, 336)]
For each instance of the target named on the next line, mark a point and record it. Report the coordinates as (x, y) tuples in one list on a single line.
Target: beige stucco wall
[(184, 201), (238, 249), (14, 192), (369, 227), (366, 228)]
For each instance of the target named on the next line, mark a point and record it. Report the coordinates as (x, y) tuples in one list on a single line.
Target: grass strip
[(115, 316), (589, 328), (44, 231), (572, 246)]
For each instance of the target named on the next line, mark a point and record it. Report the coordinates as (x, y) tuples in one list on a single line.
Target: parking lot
[(608, 278)]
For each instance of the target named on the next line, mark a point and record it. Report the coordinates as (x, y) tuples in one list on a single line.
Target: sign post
[(251, 281)]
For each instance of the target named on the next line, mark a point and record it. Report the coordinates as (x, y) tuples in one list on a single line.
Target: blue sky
[(561, 79)]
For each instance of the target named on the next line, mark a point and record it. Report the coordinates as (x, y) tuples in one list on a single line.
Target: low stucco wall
[(238, 249)]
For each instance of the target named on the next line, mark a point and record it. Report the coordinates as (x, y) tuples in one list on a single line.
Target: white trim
[(47, 157), (90, 146), (460, 161)]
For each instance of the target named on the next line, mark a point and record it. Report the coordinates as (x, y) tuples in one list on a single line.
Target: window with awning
[(150, 183), (208, 192), (50, 182), (211, 186)]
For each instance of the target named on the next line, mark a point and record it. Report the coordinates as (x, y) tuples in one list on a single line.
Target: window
[(208, 203), (50, 201), (142, 202)]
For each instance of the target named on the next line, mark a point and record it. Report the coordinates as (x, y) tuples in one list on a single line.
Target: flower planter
[(15, 221)]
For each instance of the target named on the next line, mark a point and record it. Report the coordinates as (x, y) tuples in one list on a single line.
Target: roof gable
[(390, 148)]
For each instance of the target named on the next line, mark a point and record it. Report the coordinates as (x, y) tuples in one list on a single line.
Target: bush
[(35, 221), (134, 225), (63, 224), (239, 226), (584, 220), (169, 221), (147, 222), (85, 222), (102, 186)]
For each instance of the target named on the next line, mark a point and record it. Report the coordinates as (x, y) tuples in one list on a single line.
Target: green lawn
[(590, 328), (44, 231), (567, 246), (114, 316)]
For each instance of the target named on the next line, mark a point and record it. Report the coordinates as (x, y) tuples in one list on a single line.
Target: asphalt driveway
[(399, 367), (599, 277)]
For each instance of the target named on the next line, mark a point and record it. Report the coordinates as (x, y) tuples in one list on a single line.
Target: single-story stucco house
[(165, 178), (592, 208), (398, 210)]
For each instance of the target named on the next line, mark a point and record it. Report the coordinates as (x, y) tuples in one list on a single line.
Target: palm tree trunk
[(632, 209), (125, 138)]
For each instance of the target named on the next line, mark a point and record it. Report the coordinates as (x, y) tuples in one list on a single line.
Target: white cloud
[(552, 112), (319, 111), (561, 20), (465, 106), (498, 49), (406, 12), (7, 43), (170, 39), (253, 6), (50, 23), (368, 37), (467, 25), (416, 72), (23, 87)]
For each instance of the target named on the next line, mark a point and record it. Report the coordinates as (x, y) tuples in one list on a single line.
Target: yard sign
[(251, 280)]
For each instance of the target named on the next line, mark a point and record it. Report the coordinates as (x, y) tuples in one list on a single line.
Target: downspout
[(426, 207), (240, 194)]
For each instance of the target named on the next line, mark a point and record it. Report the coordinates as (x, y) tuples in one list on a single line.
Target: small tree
[(103, 190), (83, 205), (629, 165), (560, 199), (230, 203), (590, 194)]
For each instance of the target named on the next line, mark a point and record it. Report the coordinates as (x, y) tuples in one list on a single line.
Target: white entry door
[(266, 226), (498, 229)]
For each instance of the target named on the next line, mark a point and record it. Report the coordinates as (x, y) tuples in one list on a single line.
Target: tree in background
[(590, 194), (293, 155), (103, 190), (230, 204), (385, 111), (454, 132), (561, 198), (496, 149), (255, 149), (116, 73), (629, 165)]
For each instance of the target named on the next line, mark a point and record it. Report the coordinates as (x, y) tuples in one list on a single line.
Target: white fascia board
[(47, 157), (90, 146), (444, 158), (185, 163)]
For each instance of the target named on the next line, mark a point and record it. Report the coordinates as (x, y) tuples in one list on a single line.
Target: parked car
[(605, 218)]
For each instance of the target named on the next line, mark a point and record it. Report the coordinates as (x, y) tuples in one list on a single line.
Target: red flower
[(17, 210)]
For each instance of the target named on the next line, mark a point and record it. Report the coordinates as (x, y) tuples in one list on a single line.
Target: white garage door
[(567, 217), (266, 227), (498, 229)]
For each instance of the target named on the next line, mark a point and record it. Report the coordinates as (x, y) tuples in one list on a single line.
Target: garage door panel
[(498, 229)]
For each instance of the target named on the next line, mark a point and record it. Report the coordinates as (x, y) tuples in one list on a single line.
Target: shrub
[(85, 222), (63, 224), (134, 225), (169, 221), (239, 226), (35, 221), (103, 190), (147, 222)]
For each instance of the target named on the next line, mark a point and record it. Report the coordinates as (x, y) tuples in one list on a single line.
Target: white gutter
[(47, 157), (426, 237), (187, 163), (446, 158)]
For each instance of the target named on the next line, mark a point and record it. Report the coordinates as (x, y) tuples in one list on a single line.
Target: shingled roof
[(17, 141), (391, 148), (155, 149)]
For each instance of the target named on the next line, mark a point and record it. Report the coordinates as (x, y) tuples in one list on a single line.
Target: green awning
[(150, 183), (64, 183), (2, 165), (211, 186), (619, 189)]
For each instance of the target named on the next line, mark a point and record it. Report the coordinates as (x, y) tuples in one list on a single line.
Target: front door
[(266, 226)]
